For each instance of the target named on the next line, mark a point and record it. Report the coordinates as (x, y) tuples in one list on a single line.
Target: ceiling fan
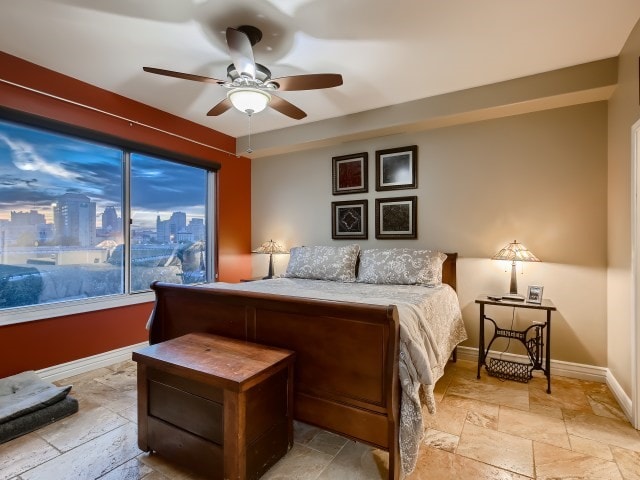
[(250, 85)]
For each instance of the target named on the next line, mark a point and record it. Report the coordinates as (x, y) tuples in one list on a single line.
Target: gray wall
[(540, 178)]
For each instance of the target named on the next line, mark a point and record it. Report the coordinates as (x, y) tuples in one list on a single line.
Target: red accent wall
[(39, 344)]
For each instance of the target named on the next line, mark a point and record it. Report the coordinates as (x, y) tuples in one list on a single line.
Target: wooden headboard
[(449, 270)]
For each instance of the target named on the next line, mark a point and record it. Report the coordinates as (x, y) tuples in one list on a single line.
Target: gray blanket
[(24, 393)]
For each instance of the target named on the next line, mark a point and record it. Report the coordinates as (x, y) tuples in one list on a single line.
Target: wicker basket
[(508, 370)]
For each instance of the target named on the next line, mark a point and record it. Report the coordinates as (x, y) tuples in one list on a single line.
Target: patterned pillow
[(401, 266), (324, 263)]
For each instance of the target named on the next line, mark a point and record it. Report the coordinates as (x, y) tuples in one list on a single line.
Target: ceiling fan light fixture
[(249, 100), (249, 84)]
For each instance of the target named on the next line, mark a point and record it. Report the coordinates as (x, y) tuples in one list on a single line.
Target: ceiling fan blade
[(220, 108), (286, 108), (241, 52), (184, 76), (312, 81)]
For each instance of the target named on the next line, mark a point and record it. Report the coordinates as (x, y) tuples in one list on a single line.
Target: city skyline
[(99, 215), (75, 225), (37, 166)]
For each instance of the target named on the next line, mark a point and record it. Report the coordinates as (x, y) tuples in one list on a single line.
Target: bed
[(365, 362)]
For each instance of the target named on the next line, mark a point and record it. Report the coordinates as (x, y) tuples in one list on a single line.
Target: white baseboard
[(86, 364), (623, 399), (566, 369), (560, 368)]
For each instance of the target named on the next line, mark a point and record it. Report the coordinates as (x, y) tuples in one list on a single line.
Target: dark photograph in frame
[(350, 173), (396, 218), (397, 168), (349, 220)]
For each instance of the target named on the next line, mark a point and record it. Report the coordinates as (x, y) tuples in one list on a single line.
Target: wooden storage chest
[(220, 406)]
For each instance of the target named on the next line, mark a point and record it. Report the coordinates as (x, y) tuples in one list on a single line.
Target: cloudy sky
[(36, 167)]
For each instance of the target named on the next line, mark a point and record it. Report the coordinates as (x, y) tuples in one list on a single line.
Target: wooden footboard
[(346, 371)]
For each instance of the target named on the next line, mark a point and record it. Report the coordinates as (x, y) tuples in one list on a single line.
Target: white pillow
[(324, 263), (401, 266)]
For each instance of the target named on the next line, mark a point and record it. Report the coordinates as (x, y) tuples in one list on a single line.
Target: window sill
[(52, 310)]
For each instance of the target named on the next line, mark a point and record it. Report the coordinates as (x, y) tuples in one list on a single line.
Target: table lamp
[(270, 247), (515, 252)]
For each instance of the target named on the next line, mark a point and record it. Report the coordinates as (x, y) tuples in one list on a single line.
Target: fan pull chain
[(249, 113)]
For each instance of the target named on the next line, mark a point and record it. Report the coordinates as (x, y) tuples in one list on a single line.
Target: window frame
[(43, 311)]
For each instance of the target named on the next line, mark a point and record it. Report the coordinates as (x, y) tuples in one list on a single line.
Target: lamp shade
[(515, 252), (270, 247), (249, 100)]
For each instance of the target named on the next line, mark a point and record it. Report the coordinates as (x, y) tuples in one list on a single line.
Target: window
[(73, 211), (168, 230)]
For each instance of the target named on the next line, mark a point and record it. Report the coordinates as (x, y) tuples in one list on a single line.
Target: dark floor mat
[(38, 418)]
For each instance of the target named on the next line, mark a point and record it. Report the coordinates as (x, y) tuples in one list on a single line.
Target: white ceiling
[(388, 51)]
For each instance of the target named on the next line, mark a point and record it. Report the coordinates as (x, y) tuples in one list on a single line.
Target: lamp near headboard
[(515, 252), (271, 248)]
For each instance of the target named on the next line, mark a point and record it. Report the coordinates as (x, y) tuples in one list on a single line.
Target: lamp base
[(513, 297), (270, 273)]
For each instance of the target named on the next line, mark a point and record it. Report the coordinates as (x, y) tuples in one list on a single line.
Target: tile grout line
[(77, 446), (330, 462)]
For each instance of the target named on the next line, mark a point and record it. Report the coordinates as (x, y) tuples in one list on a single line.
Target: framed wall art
[(349, 220), (350, 173), (397, 168), (396, 218)]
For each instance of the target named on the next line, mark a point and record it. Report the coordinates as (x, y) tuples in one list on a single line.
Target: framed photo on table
[(349, 220), (397, 168), (534, 294), (350, 173), (396, 218)]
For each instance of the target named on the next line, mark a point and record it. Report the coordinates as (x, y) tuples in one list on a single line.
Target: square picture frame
[(396, 218), (350, 173), (397, 168), (349, 220), (534, 294)]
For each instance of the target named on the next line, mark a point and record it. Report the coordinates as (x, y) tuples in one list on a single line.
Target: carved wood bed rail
[(347, 354)]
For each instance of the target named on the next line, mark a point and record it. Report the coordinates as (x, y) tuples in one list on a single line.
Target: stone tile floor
[(484, 429)]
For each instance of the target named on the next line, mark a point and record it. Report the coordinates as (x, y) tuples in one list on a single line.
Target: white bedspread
[(430, 327)]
